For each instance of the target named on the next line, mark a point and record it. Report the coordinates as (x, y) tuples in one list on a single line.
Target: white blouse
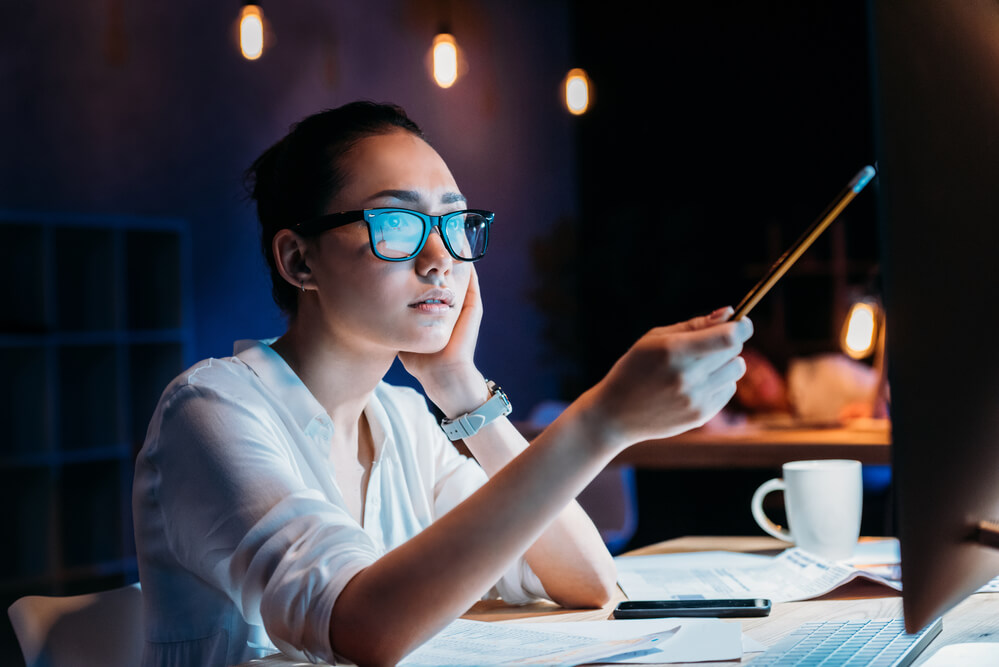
[(243, 537)]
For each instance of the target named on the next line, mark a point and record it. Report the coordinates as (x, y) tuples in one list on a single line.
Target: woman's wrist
[(599, 422), (457, 392)]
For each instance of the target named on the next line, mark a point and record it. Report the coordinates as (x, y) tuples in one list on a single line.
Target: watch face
[(498, 405), (498, 391)]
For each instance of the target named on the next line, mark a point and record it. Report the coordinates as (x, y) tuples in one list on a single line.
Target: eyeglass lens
[(399, 234)]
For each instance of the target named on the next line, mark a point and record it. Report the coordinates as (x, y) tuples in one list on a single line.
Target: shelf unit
[(96, 322)]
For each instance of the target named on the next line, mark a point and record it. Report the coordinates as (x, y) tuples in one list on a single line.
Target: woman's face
[(406, 306)]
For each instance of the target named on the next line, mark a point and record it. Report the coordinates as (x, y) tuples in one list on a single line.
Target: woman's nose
[(434, 255)]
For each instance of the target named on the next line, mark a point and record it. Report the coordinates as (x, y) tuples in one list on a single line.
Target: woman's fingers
[(703, 342), (704, 382), (722, 382), (466, 329), (730, 372), (718, 399), (472, 294), (675, 378), (692, 357), (703, 321)]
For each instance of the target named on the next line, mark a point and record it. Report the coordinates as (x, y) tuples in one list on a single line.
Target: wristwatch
[(469, 423)]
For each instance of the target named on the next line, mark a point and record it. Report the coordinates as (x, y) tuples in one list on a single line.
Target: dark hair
[(295, 179)]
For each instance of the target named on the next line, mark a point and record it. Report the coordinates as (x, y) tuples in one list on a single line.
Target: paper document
[(991, 587), (697, 639), (792, 575), (485, 644), (883, 557), (611, 650)]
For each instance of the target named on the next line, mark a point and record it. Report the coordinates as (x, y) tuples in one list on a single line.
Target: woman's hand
[(673, 379), (449, 376)]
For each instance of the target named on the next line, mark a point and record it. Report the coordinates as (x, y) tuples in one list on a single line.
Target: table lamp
[(863, 335)]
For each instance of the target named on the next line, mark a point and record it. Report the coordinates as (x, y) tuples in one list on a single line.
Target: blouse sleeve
[(238, 514)]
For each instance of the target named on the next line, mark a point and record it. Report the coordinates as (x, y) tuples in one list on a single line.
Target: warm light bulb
[(251, 31), (860, 334), (445, 57), (577, 91)]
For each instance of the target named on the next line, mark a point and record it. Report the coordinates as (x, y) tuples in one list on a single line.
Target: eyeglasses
[(398, 234)]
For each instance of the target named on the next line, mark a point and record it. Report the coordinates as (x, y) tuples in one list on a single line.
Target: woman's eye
[(398, 223)]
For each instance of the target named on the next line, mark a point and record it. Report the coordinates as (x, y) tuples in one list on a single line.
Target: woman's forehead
[(397, 163), (414, 198)]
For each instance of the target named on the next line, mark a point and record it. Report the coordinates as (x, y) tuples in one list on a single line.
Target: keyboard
[(867, 643)]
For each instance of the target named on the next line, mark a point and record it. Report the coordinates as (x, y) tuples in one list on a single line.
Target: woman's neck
[(340, 377)]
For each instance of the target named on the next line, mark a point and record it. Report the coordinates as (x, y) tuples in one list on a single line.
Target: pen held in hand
[(788, 259)]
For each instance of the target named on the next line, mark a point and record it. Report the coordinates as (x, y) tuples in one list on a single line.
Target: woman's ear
[(290, 257)]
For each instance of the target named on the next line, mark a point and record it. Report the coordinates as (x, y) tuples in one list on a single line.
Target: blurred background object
[(821, 387)]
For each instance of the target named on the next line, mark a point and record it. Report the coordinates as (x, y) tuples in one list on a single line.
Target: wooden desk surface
[(759, 447), (974, 620)]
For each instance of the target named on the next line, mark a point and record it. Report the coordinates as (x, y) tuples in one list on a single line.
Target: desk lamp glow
[(863, 334), (861, 329)]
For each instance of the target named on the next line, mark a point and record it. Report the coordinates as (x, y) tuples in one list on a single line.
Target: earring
[(302, 284)]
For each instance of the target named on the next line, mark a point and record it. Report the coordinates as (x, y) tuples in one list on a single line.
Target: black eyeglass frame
[(329, 221)]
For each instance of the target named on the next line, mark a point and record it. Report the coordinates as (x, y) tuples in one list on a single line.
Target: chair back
[(97, 629)]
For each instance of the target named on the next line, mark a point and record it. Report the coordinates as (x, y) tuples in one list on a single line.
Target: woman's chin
[(429, 344)]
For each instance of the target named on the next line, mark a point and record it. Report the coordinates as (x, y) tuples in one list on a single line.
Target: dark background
[(713, 124), (718, 132)]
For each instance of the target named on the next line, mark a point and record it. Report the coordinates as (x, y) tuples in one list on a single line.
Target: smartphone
[(712, 608)]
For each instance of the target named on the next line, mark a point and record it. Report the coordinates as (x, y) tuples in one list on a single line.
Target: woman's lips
[(437, 300), (431, 307)]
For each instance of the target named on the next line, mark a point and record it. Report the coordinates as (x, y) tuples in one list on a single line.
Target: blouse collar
[(307, 412)]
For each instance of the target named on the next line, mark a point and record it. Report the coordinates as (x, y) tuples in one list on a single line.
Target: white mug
[(823, 500)]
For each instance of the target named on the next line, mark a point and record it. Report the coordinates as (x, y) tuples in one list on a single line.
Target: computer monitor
[(936, 80)]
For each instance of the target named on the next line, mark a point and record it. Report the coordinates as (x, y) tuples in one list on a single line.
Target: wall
[(148, 109)]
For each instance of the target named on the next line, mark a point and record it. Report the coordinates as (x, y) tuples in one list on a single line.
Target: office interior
[(716, 133)]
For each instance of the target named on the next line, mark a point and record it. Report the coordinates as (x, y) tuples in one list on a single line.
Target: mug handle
[(762, 519)]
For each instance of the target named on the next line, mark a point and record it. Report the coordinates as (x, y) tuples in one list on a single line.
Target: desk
[(975, 619), (758, 447)]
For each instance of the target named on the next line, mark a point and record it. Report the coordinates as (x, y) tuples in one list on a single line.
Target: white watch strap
[(469, 423)]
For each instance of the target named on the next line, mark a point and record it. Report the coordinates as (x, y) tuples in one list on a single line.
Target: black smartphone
[(712, 608)]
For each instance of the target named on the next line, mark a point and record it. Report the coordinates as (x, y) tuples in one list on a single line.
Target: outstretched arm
[(672, 379)]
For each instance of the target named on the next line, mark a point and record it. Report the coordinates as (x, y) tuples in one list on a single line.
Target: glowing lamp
[(444, 55), (861, 329), (577, 91), (251, 31)]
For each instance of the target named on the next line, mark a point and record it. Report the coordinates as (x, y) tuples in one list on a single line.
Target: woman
[(287, 494)]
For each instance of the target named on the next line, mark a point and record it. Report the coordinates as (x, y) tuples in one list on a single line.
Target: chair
[(611, 501), (102, 629)]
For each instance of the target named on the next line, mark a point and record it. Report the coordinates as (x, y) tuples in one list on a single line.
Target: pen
[(786, 260)]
